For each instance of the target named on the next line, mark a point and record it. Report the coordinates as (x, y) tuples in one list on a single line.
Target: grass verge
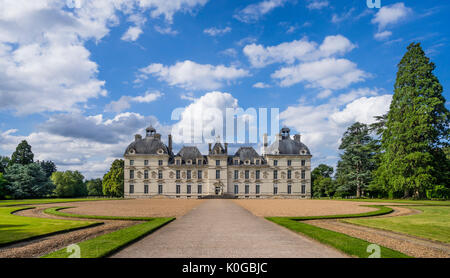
[(107, 244), (349, 245), (394, 201), (57, 211), (7, 203), (433, 223), (15, 228)]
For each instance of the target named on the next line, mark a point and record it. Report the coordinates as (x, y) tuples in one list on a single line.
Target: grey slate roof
[(246, 153), (190, 153), (287, 146), (148, 145)]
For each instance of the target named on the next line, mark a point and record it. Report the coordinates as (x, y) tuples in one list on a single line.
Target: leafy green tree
[(113, 180), (322, 184), (69, 184), (417, 129), (94, 187), (48, 166), (354, 171), (27, 181), (4, 161), (3, 184), (23, 154)]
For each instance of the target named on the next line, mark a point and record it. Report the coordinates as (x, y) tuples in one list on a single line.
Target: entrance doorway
[(217, 190)]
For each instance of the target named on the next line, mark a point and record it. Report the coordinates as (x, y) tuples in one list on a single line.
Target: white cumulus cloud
[(254, 12)]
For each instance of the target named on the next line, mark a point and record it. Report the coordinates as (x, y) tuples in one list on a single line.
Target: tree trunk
[(406, 193)]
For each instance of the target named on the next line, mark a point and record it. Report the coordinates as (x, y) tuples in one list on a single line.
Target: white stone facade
[(152, 170)]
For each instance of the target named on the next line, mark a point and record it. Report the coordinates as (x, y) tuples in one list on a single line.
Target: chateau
[(283, 170)]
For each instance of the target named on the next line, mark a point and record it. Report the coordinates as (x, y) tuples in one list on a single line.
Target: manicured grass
[(5, 203), (433, 223), (14, 228), (350, 245), (107, 244), (57, 211), (396, 201)]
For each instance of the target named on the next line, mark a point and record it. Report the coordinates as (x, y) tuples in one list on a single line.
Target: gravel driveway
[(223, 229)]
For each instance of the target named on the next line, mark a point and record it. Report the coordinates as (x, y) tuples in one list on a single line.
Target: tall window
[(160, 162), (289, 174), (236, 189), (247, 189), (289, 189), (199, 174), (217, 162), (160, 189), (178, 161), (160, 174), (257, 162), (131, 174), (199, 162), (188, 189), (303, 174), (275, 163), (289, 162), (131, 188), (131, 162), (236, 174), (257, 189), (258, 173), (146, 162), (145, 188), (303, 162), (236, 162), (178, 176), (275, 189), (275, 174), (145, 174), (199, 189), (303, 188), (188, 173), (247, 174), (217, 174), (178, 188)]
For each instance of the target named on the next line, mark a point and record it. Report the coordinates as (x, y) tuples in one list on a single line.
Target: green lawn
[(15, 228), (433, 223), (395, 201), (5, 203), (107, 244)]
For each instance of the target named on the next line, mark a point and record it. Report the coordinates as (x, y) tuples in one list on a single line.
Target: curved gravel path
[(223, 229), (413, 246)]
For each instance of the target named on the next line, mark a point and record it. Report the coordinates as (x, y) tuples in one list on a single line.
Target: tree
[(417, 129), (69, 184), (94, 187), (3, 184), (4, 161), (322, 184), (354, 171), (27, 181), (23, 154), (49, 167), (113, 180)]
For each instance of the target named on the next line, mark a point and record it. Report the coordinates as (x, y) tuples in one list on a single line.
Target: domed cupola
[(285, 145), (151, 144)]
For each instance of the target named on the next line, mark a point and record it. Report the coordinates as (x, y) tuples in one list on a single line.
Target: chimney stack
[(170, 143), (226, 148), (265, 144), (137, 137), (297, 137), (209, 148)]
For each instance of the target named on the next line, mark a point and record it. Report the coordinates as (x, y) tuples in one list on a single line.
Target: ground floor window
[(178, 189), (275, 189), (199, 189), (131, 188), (247, 189), (160, 188), (145, 188), (289, 189), (188, 189), (236, 189), (303, 189), (257, 189)]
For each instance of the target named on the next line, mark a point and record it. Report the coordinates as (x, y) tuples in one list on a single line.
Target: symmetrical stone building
[(282, 170)]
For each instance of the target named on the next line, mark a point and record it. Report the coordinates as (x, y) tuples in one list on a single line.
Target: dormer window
[(199, 162), (178, 162), (257, 162), (236, 162), (132, 151)]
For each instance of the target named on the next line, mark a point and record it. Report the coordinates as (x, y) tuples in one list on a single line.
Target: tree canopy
[(23, 154), (27, 181), (113, 180), (94, 187), (69, 184), (49, 167)]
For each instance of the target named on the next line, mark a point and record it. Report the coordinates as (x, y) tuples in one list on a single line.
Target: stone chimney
[(157, 136), (226, 148), (209, 145), (170, 143), (137, 137), (297, 137), (265, 144)]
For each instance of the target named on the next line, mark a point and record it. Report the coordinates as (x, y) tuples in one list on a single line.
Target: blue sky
[(79, 78)]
